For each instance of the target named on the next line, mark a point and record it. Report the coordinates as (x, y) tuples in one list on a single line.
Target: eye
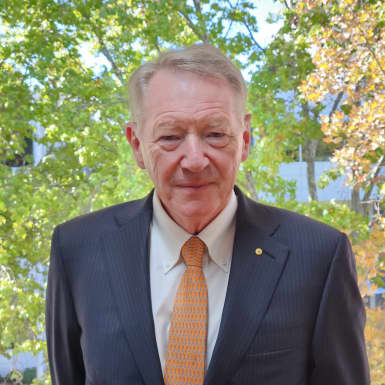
[(170, 138), (217, 138), (216, 134), (170, 142)]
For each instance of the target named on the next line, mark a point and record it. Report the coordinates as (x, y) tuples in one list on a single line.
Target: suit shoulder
[(271, 219), (293, 225), (291, 217), (91, 225), (310, 235)]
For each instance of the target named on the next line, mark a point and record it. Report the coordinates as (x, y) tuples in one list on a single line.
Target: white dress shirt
[(167, 267)]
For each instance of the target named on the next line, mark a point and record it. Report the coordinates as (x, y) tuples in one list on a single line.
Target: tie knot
[(192, 252)]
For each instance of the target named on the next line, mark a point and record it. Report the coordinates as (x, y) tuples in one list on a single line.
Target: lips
[(194, 185)]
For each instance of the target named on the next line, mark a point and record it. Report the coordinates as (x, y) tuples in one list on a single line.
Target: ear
[(134, 141), (246, 137)]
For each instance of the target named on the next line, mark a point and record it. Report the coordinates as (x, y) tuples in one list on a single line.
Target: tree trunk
[(355, 203), (310, 150), (251, 188)]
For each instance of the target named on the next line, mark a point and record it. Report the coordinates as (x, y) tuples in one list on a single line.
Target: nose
[(194, 157)]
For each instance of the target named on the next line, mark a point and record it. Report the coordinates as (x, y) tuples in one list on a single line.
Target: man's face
[(191, 141)]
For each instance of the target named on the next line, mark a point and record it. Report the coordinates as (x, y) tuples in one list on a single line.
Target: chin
[(199, 210)]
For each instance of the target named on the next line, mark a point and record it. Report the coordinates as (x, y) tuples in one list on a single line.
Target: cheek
[(228, 161), (151, 160), (161, 165)]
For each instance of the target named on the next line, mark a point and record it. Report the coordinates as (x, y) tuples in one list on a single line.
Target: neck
[(193, 224)]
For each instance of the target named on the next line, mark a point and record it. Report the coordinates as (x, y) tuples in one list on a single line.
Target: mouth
[(194, 186)]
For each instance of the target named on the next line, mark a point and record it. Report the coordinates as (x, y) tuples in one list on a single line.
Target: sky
[(266, 31)]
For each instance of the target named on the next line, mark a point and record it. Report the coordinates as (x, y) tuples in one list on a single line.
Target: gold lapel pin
[(258, 251)]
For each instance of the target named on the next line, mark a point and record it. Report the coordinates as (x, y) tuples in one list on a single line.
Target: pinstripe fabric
[(185, 363), (293, 315)]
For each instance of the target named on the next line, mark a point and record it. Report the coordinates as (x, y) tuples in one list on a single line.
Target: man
[(196, 283)]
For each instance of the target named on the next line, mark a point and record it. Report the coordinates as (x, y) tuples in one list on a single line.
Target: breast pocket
[(269, 355), (283, 366)]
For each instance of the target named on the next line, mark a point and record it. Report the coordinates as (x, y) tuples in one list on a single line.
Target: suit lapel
[(126, 251), (253, 279)]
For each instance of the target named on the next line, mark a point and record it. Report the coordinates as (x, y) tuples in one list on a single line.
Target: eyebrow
[(168, 123), (209, 121), (217, 122)]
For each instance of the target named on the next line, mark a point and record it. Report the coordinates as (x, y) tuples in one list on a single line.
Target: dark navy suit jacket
[(292, 316)]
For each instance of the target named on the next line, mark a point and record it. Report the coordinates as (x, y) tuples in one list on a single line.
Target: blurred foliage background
[(319, 84)]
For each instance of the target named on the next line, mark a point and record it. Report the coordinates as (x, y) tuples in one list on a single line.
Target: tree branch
[(252, 37), (231, 22), (87, 208), (105, 148), (336, 103), (157, 46), (249, 184), (108, 56), (197, 5), (192, 26), (372, 52), (375, 172), (105, 50), (198, 9), (249, 30)]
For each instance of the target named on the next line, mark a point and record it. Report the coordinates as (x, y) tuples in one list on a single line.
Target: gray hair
[(202, 59)]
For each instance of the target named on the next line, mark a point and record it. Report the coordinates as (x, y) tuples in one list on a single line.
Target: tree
[(349, 60), (349, 48), (280, 114), (46, 82), (348, 41)]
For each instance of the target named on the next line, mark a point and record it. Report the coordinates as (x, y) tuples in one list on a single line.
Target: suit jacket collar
[(253, 279), (259, 215), (141, 207)]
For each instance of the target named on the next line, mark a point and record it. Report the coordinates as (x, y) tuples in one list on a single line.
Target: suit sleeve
[(62, 329), (339, 353)]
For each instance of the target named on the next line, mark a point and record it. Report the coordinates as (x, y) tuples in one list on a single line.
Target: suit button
[(258, 251)]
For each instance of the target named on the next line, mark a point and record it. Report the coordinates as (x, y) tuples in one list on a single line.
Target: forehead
[(188, 95)]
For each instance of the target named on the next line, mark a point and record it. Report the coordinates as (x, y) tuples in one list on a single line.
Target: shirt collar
[(218, 235)]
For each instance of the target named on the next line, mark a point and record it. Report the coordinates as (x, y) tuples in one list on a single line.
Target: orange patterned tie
[(185, 363)]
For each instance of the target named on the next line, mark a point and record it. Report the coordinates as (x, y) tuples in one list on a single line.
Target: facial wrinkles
[(187, 175), (211, 172), (186, 119), (175, 173), (193, 128), (214, 123)]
